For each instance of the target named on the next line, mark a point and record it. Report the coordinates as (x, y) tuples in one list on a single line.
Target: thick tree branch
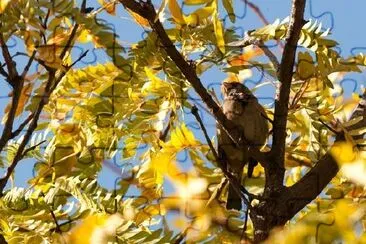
[(311, 185), (285, 78)]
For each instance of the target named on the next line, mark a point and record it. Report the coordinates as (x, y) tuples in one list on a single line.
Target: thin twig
[(163, 134), (32, 148), (9, 61), (240, 190), (331, 128), (243, 234), (22, 126), (30, 61), (73, 33), (3, 72), (79, 58), (57, 228), (299, 94)]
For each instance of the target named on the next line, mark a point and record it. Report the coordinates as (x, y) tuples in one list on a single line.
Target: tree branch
[(7, 131), (27, 67), (12, 72), (22, 126), (285, 77), (311, 185)]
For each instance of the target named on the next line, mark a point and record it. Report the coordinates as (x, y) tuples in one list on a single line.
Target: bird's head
[(235, 90)]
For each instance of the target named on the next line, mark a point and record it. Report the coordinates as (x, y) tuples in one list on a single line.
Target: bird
[(250, 120)]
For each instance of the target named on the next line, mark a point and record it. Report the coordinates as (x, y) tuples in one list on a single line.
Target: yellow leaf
[(305, 66), (196, 2), (174, 139), (243, 59), (161, 10), (3, 4), (188, 135), (228, 5), (176, 12), (50, 54), (343, 152), (95, 229), (109, 6), (24, 96), (85, 36), (199, 15), (219, 33), (138, 18)]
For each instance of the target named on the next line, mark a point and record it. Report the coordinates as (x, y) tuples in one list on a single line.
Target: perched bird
[(250, 120)]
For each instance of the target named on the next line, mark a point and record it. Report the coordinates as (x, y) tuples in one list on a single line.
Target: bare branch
[(27, 67), (9, 61), (7, 131), (3, 72), (32, 148), (73, 33), (79, 58), (285, 77), (22, 126)]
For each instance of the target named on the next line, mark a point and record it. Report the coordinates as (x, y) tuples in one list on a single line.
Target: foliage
[(133, 108)]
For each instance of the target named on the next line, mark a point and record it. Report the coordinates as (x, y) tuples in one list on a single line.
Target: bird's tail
[(233, 199)]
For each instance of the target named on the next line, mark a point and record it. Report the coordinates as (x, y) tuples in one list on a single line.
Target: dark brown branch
[(3, 72), (240, 190), (32, 148), (27, 67), (12, 72), (79, 58), (310, 186), (7, 131), (22, 126), (285, 78)]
